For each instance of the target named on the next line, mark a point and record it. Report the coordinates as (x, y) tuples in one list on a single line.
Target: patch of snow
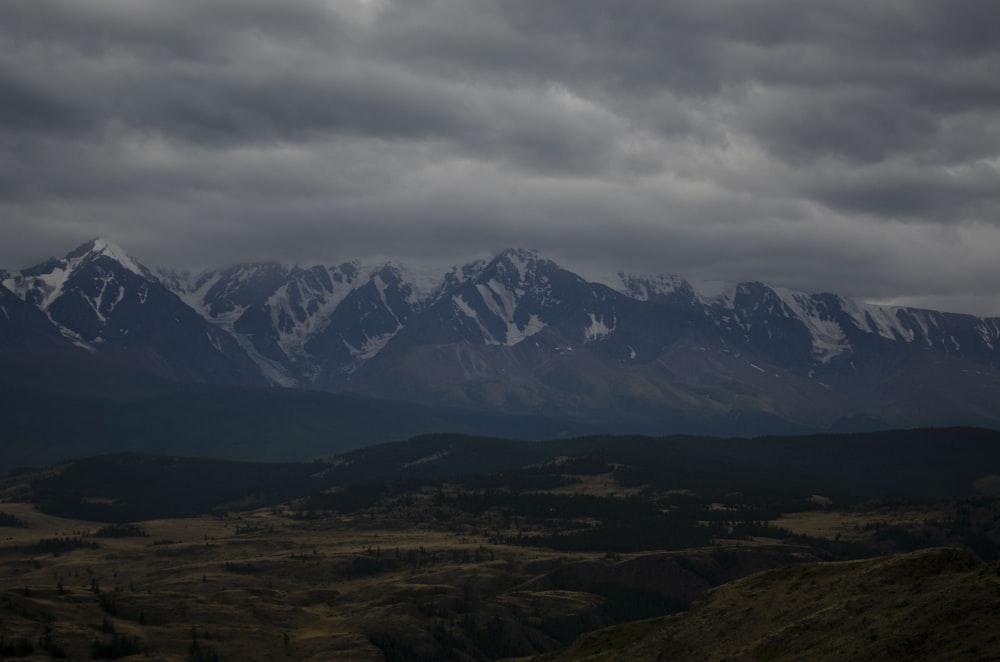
[(118, 299), (463, 306), (500, 300), (98, 304), (50, 284), (598, 328), (534, 325), (318, 303), (269, 368), (885, 321), (193, 294), (828, 338), (425, 282), (989, 331), (193, 291), (522, 260), (381, 286), (921, 318), (372, 346), (214, 339), (114, 251)]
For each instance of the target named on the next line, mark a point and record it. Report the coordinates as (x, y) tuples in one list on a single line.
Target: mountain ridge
[(519, 334)]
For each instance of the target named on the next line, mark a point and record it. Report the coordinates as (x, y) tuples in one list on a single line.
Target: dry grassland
[(936, 604), (848, 525), (257, 586)]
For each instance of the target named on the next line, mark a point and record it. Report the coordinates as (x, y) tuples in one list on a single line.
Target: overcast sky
[(823, 145)]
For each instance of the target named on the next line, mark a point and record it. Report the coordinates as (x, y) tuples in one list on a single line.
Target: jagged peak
[(45, 282), (524, 263), (751, 290), (754, 287), (522, 258), (522, 254), (100, 246)]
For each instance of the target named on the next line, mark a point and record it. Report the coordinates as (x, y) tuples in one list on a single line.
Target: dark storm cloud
[(823, 145)]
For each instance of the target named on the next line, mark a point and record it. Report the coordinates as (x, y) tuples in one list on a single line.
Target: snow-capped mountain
[(824, 330), (300, 322), (504, 301), (518, 333), (103, 300)]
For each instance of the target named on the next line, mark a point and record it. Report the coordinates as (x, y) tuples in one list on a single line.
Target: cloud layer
[(821, 145)]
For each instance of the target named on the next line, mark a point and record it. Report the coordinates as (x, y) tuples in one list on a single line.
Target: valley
[(417, 551)]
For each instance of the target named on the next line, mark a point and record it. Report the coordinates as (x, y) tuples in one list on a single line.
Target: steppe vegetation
[(413, 560)]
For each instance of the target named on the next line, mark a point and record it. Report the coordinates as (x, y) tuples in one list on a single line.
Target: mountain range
[(515, 335)]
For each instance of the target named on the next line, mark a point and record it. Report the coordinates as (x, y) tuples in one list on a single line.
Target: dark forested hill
[(770, 473)]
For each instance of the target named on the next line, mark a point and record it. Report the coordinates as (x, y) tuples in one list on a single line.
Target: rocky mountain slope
[(520, 334)]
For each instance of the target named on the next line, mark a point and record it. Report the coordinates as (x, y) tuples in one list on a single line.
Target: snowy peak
[(821, 328), (392, 295), (97, 248), (376, 305), (795, 327), (520, 261), (658, 289), (511, 297), (100, 298), (458, 275), (301, 305), (519, 266), (45, 283)]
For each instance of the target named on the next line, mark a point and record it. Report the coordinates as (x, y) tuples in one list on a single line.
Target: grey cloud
[(28, 108), (824, 145), (915, 194), (859, 126)]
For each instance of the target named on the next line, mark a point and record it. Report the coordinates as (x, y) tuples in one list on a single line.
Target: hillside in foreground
[(934, 604)]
